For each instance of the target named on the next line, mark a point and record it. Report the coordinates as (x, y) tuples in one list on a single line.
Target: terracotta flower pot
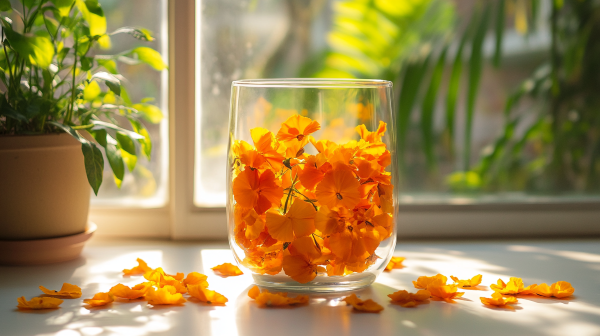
[(44, 192)]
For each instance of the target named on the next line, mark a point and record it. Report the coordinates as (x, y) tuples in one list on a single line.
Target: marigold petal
[(227, 269), (206, 295), (141, 268), (126, 292), (562, 289), (38, 303), (253, 292), (166, 295), (67, 290), (99, 299), (195, 278), (368, 306), (299, 268)]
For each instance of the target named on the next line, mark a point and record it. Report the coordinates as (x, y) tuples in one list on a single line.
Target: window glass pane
[(146, 186), (522, 126)]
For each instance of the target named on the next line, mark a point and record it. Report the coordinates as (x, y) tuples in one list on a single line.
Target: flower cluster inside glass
[(311, 215)]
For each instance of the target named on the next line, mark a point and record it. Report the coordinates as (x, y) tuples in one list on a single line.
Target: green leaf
[(63, 6), (138, 33), (146, 142), (87, 63), (94, 164), (94, 15), (7, 110), (67, 129), (38, 49), (149, 56), (100, 136), (150, 112), (30, 3), (103, 124), (109, 65), (126, 143), (499, 32), (5, 5), (428, 109), (130, 160), (91, 91), (409, 91), (116, 162), (111, 81), (475, 67)]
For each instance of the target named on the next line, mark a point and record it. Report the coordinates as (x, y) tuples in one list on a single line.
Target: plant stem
[(72, 105), (289, 194)]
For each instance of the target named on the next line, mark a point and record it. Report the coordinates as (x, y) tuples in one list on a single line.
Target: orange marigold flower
[(469, 283), (444, 292), (424, 281), (368, 306), (268, 147), (141, 268), (513, 287), (299, 221), (372, 136), (328, 221), (195, 278), (562, 289), (39, 303), (302, 265), (206, 295), (67, 290), (297, 127), (396, 262), (127, 292), (247, 154), (314, 169), (254, 190), (164, 296), (559, 290), (339, 188), (227, 269), (100, 299), (406, 299), (498, 300)]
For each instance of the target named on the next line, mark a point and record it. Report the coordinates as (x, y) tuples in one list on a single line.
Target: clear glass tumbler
[(311, 203)]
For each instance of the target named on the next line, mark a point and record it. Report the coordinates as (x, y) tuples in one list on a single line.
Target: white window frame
[(180, 219)]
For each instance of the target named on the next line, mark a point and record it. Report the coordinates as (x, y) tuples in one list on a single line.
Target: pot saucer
[(44, 251)]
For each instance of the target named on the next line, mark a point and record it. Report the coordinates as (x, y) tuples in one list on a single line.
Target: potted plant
[(63, 103)]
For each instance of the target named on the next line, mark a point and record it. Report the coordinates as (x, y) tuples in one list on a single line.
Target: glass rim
[(313, 83)]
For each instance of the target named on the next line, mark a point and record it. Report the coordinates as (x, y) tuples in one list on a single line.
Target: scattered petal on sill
[(368, 306), (444, 292), (99, 299), (469, 283), (424, 281), (498, 300), (406, 299), (206, 295), (39, 303), (195, 278), (141, 268), (67, 291), (395, 263), (164, 296), (227, 269), (125, 292)]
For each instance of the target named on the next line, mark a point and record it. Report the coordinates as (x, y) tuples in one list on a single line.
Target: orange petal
[(164, 296), (253, 292), (39, 303), (126, 292), (339, 188), (424, 281), (141, 268), (205, 295), (67, 290), (195, 278), (227, 269), (368, 306), (395, 262), (99, 299), (299, 268)]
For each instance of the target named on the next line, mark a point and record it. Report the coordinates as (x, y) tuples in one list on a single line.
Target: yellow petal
[(68, 290), (99, 299), (39, 303)]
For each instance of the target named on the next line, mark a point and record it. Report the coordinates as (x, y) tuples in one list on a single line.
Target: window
[(444, 193)]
